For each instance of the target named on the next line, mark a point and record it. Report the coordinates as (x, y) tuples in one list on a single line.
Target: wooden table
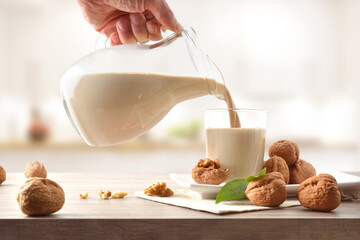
[(134, 218)]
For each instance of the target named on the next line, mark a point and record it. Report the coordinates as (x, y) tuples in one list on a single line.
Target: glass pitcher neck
[(202, 62), (204, 65)]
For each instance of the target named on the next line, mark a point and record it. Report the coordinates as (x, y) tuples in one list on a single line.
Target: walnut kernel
[(84, 195), (104, 194), (208, 163), (118, 194), (159, 189)]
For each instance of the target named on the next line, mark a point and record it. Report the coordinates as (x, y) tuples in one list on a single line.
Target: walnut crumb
[(104, 195), (159, 189), (119, 194), (84, 195)]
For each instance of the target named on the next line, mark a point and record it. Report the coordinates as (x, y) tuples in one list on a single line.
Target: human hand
[(129, 21)]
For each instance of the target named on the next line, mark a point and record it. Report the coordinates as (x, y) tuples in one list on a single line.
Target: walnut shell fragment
[(300, 171), (286, 149), (2, 175), (160, 189), (319, 193), (40, 196), (267, 191), (35, 169), (208, 171), (278, 164)]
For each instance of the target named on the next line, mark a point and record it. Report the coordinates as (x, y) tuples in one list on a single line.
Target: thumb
[(162, 12)]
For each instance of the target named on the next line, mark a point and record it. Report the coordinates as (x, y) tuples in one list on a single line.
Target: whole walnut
[(268, 191), (2, 175), (40, 196), (288, 150), (300, 171), (319, 193), (278, 164), (208, 171), (35, 169)]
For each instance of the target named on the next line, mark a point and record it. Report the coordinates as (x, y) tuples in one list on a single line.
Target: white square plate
[(347, 183)]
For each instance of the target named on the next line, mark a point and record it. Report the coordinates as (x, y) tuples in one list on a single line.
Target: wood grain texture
[(134, 218)]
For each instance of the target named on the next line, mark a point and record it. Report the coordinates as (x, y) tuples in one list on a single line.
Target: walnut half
[(208, 171)]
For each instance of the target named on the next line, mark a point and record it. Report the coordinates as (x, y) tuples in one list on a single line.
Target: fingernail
[(115, 39), (135, 19), (123, 25), (152, 28), (149, 17), (179, 27)]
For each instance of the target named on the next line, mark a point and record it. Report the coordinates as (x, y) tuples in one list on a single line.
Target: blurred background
[(299, 60)]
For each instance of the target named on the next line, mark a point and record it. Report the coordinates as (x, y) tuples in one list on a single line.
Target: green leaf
[(261, 173), (234, 189)]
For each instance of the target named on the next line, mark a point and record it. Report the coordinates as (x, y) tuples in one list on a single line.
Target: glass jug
[(116, 94)]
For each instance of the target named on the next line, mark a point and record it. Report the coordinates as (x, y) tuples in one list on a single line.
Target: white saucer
[(347, 183)]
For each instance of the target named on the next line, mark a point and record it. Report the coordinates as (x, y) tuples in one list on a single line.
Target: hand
[(129, 21)]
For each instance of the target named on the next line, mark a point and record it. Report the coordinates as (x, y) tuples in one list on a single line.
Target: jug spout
[(204, 64)]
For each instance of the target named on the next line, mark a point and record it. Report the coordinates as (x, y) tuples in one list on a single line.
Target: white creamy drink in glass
[(241, 150)]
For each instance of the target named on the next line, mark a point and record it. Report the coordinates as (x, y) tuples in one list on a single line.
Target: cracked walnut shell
[(40, 196), (288, 150), (159, 189), (35, 169), (319, 193), (301, 171), (267, 191), (208, 171), (2, 175), (278, 164)]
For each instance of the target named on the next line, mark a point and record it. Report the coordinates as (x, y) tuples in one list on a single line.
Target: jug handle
[(103, 42), (166, 40)]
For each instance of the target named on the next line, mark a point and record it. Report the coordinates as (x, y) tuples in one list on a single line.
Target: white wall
[(297, 59)]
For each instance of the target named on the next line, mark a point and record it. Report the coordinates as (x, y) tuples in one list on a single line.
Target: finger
[(148, 15), (114, 39), (109, 28), (138, 26), (124, 30), (164, 15), (153, 28)]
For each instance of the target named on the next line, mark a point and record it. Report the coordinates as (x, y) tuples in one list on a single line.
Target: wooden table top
[(137, 218)]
